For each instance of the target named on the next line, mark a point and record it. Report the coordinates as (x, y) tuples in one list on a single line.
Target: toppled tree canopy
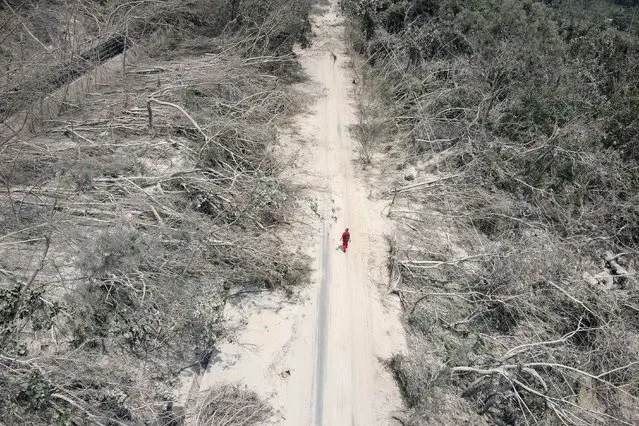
[(126, 219), (521, 119)]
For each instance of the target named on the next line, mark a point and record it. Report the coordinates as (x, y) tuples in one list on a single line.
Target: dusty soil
[(319, 358)]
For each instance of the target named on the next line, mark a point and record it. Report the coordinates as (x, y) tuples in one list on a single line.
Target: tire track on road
[(322, 327)]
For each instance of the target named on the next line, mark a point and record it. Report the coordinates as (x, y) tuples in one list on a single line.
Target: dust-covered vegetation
[(229, 404), (516, 254), (45, 45), (128, 216)]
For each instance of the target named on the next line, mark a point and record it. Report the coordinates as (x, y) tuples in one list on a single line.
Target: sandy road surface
[(347, 372), (318, 362)]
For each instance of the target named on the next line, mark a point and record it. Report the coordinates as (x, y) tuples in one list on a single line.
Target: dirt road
[(318, 362), (347, 373)]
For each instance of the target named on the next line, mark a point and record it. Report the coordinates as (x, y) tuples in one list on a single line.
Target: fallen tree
[(120, 247), (515, 253)]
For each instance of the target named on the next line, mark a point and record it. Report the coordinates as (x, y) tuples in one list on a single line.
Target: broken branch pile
[(120, 240)]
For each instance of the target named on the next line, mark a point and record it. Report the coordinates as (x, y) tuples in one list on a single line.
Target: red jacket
[(346, 236)]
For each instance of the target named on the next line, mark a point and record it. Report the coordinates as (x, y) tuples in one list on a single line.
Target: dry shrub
[(423, 380), (231, 405), (418, 384), (372, 127)]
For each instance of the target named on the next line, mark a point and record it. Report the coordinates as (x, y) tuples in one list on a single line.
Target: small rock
[(410, 173)]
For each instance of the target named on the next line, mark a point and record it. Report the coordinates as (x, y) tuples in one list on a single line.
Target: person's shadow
[(341, 248)]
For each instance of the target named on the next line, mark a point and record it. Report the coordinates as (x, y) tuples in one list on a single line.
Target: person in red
[(346, 237)]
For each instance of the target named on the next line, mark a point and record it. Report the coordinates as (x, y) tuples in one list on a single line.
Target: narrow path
[(318, 360), (352, 328)]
